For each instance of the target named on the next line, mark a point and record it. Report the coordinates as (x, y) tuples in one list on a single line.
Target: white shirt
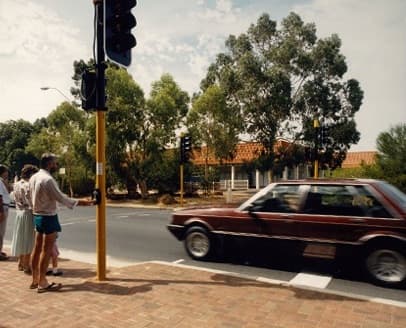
[(21, 195), (45, 194), (4, 192)]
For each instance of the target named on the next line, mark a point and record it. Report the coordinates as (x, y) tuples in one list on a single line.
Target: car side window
[(331, 200), (372, 206), (281, 199)]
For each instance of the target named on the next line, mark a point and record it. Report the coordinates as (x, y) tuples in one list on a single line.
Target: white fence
[(235, 185)]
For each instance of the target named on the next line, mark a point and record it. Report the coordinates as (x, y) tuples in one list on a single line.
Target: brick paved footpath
[(156, 295)]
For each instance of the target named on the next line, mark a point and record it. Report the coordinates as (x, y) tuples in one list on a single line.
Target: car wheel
[(198, 243), (386, 266)]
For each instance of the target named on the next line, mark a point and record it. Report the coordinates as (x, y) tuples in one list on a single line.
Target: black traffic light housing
[(118, 22), (185, 148), (88, 90)]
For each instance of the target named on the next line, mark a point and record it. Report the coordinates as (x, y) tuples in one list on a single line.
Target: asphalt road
[(138, 235)]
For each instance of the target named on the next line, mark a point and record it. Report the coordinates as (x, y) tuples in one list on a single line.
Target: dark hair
[(46, 158), (28, 170), (3, 169)]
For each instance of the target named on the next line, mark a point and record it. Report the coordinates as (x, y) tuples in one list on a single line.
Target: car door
[(275, 212), (340, 214)]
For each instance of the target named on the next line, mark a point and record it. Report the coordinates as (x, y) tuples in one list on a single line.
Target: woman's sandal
[(34, 285), (50, 288)]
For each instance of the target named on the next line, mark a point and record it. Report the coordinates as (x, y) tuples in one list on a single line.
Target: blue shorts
[(47, 224)]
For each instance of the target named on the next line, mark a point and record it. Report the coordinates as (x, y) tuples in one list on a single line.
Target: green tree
[(214, 125), (124, 128), (165, 112), (14, 137), (391, 157), (283, 79), (64, 134), (138, 131)]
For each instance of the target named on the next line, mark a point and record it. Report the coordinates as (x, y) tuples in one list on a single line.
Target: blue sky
[(41, 38)]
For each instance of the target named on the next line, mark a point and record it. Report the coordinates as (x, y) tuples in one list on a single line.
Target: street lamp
[(48, 88)]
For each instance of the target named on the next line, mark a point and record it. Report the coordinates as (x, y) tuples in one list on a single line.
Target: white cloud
[(373, 37), (39, 48)]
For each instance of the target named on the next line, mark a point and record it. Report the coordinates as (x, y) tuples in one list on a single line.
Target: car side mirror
[(253, 208)]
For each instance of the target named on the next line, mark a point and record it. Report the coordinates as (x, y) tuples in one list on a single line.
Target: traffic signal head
[(185, 148), (118, 22), (187, 143), (88, 90)]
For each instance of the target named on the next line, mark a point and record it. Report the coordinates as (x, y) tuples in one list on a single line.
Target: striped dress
[(23, 234)]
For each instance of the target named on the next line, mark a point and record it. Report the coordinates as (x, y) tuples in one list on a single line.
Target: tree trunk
[(144, 189)]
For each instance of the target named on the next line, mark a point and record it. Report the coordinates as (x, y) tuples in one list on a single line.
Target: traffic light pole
[(181, 184), (316, 126), (100, 146)]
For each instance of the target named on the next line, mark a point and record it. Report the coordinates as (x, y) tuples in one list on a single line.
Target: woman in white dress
[(23, 234)]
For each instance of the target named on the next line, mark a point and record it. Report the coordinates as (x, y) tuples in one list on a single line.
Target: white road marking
[(178, 261), (311, 280), (123, 216), (67, 223), (92, 220)]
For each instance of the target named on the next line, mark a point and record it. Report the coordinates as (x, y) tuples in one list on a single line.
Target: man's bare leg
[(35, 255), (47, 245)]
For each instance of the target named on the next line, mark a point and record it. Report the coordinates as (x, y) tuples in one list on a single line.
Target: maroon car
[(368, 216)]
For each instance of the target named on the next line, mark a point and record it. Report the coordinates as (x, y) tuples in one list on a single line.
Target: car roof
[(329, 180)]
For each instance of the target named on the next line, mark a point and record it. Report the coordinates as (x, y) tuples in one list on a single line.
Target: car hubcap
[(198, 244), (387, 265)]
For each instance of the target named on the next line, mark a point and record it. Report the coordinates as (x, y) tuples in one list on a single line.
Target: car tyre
[(198, 243), (386, 266)]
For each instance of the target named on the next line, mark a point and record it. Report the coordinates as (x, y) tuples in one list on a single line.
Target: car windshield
[(244, 206), (393, 193)]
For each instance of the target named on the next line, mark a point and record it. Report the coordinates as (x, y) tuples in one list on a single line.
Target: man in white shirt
[(4, 203), (44, 195)]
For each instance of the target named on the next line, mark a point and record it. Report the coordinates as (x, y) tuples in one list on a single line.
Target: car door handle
[(358, 220)]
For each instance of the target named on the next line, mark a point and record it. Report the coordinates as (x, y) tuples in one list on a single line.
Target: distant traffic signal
[(185, 148), (118, 22)]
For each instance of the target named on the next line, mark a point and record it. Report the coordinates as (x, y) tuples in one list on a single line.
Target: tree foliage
[(137, 130), (14, 137), (282, 79), (391, 158), (64, 134), (214, 125)]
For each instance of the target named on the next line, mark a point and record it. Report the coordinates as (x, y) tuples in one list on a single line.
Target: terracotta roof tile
[(249, 150), (354, 159)]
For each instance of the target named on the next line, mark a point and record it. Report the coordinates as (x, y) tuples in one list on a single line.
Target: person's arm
[(86, 202), (67, 201), (1, 208), (59, 196)]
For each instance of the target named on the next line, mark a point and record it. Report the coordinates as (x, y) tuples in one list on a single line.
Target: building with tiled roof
[(232, 170), (356, 158), (244, 152)]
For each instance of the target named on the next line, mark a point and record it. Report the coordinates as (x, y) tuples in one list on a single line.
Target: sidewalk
[(157, 295)]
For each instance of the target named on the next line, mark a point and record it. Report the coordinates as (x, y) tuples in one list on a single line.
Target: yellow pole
[(101, 186), (316, 126), (181, 184)]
